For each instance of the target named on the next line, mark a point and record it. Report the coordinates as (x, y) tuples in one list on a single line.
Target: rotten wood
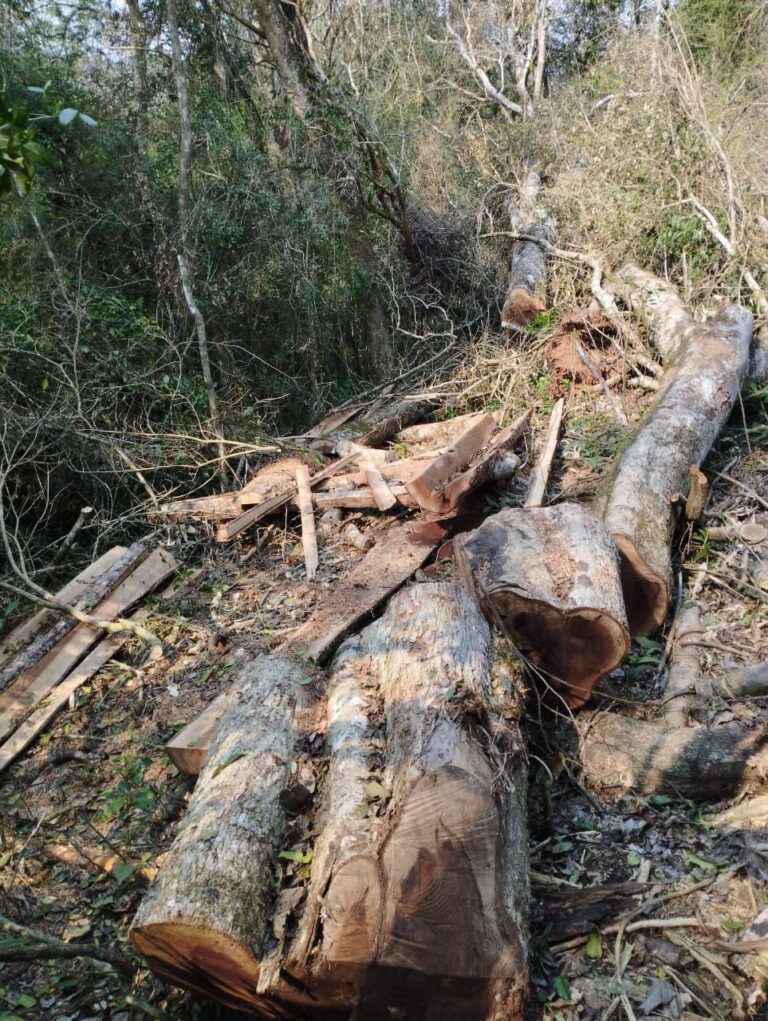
[(537, 490), (706, 367), (551, 576), (747, 682)]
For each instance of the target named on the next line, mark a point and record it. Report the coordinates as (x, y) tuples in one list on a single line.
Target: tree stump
[(550, 576)]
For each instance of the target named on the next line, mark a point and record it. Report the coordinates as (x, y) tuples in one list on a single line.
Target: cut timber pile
[(416, 907), (45, 674)]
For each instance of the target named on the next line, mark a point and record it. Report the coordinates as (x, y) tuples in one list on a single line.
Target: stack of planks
[(45, 660)]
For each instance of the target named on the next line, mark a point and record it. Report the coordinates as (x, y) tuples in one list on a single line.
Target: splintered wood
[(308, 535)]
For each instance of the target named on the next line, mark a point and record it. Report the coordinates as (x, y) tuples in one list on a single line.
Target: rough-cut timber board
[(273, 479), (427, 488), (483, 467), (187, 749), (361, 498), (28, 690), (70, 593), (380, 573), (231, 530), (23, 737)]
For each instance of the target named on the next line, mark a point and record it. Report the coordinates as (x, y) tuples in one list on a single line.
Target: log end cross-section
[(550, 577)]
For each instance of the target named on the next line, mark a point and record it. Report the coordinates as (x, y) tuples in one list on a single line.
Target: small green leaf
[(660, 799), (702, 863), (67, 115), (304, 681), (450, 693), (303, 858), (88, 121), (594, 946), (228, 762), (362, 810), (121, 871), (375, 790), (562, 987), (633, 858)]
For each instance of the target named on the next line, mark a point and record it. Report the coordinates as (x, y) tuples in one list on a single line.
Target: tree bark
[(205, 920), (707, 366), (551, 577), (620, 754)]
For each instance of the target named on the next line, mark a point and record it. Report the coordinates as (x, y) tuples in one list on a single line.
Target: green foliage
[(724, 37), (20, 152)]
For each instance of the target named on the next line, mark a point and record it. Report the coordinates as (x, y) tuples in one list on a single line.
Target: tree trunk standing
[(528, 267), (551, 576), (137, 37), (185, 215), (707, 366)]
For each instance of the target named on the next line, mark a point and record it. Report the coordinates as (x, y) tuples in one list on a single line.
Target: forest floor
[(87, 815)]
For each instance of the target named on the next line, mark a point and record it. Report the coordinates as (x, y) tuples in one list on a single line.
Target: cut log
[(382, 425), (71, 593), (119, 569), (550, 575), (620, 754), (271, 480), (32, 686), (205, 919), (424, 908), (417, 906), (380, 573), (707, 366), (223, 507), (537, 489), (226, 533), (528, 267), (428, 487)]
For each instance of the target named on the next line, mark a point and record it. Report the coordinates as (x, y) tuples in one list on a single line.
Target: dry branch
[(537, 490)]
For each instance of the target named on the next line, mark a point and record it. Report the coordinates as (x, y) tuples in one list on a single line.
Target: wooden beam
[(427, 488), (308, 533), (382, 494), (537, 491)]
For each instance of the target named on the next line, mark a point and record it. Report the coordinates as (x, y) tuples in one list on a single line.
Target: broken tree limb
[(707, 365), (308, 534), (680, 696), (537, 490), (748, 682), (205, 920), (223, 507), (620, 754), (100, 587), (423, 908), (552, 576), (528, 265)]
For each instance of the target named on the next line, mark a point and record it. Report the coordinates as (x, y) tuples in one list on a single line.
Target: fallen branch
[(538, 487), (50, 947)]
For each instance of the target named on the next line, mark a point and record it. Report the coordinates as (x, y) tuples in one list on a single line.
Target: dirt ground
[(88, 813)]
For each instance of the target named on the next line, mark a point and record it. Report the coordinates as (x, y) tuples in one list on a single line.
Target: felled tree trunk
[(422, 908), (550, 576), (205, 921), (706, 367), (528, 266), (620, 754), (416, 906)]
